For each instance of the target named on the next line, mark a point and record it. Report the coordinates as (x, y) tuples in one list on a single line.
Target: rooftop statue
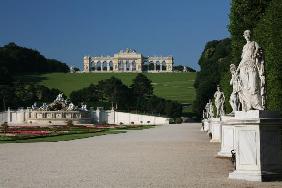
[(251, 74)]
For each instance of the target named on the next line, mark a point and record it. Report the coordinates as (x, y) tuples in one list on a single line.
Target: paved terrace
[(166, 156)]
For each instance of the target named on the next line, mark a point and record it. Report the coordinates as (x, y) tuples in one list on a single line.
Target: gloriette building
[(127, 61)]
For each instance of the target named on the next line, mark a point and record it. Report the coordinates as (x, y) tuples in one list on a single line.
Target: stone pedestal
[(205, 123), (215, 129), (258, 146), (227, 137)]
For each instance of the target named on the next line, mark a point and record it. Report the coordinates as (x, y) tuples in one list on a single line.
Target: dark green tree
[(244, 14), (268, 33), (213, 62)]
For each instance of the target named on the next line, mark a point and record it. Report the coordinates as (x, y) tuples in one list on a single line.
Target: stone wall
[(3, 117), (114, 117), (100, 116)]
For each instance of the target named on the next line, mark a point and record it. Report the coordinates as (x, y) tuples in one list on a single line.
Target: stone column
[(108, 66), (94, 65), (124, 66), (86, 63), (155, 66), (130, 66), (161, 66), (102, 66)]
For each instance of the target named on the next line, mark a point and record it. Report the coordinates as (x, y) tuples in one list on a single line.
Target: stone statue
[(251, 73), (185, 69), (59, 98), (207, 110), (34, 106), (83, 107), (235, 82), (71, 107), (219, 100), (44, 107), (211, 114)]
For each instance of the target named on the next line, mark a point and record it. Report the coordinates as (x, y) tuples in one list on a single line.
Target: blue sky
[(67, 29)]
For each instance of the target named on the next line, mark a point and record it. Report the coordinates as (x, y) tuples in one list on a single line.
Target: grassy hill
[(173, 86)]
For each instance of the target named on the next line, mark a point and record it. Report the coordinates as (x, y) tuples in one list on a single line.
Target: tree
[(213, 63), (268, 33), (142, 86), (244, 14), (113, 91)]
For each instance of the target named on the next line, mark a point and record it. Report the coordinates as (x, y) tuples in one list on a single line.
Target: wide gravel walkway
[(165, 156)]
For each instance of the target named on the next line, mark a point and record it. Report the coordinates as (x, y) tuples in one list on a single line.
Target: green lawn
[(173, 86)]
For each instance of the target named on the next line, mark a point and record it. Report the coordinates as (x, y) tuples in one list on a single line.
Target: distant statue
[(72, 69), (83, 107), (219, 100), (44, 107), (211, 114), (251, 73), (60, 97), (71, 107), (235, 82), (34, 106), (207, 110), (185, 69)]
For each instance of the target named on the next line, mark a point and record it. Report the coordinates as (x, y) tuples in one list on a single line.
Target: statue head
[(218, 88), (233, 69), (247, 35)]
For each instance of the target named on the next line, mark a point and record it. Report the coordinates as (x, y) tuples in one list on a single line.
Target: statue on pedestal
[(251, 74), (235, 82), (219, 100), (207, 110), (211, 114)]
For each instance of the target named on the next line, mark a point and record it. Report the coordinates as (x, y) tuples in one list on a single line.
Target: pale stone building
[(127, 61)]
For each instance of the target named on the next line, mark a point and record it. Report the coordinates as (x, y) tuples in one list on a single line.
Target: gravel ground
[(165, 156)]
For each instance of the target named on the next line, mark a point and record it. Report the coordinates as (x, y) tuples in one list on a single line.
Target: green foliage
[(268, 33), (244, 14), (213, 63), (181, 68), (18, 60), (89, 95), (137, 98), (5, 127), (171, 86), (142, 86)]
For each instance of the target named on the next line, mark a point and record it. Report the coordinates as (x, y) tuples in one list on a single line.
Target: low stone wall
[(114, 117), (100, 116), (3, 117)]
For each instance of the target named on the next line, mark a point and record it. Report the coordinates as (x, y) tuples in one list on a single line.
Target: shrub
[(178, 120), (5, 127)]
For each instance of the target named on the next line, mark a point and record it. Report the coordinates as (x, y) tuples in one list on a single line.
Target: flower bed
[(29, 132)]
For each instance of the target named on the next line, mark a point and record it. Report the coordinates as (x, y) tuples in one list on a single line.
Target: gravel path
[(165, 156)]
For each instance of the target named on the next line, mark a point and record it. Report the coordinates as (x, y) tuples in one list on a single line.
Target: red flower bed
[(30, 132)]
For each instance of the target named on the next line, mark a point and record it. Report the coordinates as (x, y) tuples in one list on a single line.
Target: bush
[(5, 127), (178, 120)]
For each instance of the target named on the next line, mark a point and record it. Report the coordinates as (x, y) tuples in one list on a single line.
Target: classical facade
[(127, 61)]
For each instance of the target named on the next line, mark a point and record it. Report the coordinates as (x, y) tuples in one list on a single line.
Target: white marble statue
[(251, 73), (71, 107), (185, 69), (235, 82), (83, 107), (211, 114), (44, 107), (219, 100), (207, 110), (59, 97), (34, 106)]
